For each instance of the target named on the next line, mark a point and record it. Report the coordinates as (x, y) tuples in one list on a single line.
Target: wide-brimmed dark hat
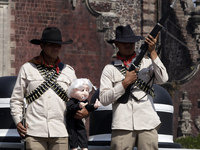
[(50, 35), (125, 35)]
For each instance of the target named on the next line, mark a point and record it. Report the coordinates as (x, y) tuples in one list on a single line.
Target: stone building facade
[(89, 23)]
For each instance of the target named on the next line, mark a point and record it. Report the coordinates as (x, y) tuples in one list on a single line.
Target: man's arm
[(17, 97)]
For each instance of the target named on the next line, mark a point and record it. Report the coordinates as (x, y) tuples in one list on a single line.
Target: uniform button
[(49, 96), (49, 108)]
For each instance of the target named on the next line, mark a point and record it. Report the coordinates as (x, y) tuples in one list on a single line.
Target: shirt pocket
[(145, 74), (34, 81), (64, 82), (117, 78)]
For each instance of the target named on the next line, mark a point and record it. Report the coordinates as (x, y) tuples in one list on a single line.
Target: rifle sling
[(50, 77), (139, 83)]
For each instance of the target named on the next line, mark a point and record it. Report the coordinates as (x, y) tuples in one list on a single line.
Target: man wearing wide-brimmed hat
[(134, 120), (43, 81)]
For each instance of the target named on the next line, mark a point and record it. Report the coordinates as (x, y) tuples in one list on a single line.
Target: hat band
[(127, 36), (42, 39), (130, 38), (50, 40)]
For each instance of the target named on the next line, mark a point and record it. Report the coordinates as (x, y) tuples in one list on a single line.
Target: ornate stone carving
[(105, 19), (111, 13), (197, 120), (188, 6), (73, 2), (195, 21), (185, 127)]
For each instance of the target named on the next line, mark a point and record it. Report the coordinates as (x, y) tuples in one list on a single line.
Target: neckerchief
[(40, 60), (126, 61)]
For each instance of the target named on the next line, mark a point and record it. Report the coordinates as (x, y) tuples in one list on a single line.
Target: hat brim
[(38, 42), (130, 39)]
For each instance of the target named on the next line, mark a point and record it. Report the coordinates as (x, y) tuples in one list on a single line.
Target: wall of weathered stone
[(89, 52)]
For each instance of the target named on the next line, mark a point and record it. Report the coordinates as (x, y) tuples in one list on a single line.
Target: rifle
[(23, 140), (143, 49), (154, 32)]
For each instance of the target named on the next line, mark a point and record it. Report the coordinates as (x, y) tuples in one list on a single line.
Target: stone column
[(6, 45), (185, 127)]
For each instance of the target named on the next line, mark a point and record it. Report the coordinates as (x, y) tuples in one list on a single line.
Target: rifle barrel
[(154, 32)]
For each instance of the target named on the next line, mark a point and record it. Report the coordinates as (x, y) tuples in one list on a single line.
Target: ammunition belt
[(50, 77), (142, 85)]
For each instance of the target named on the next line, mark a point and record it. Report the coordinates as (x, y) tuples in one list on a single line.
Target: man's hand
[(80, 114), (151, 45), (130, 78), (21, 129)]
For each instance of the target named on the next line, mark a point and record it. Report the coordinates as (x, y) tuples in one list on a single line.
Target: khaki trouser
[(38, 143), (126, 140)]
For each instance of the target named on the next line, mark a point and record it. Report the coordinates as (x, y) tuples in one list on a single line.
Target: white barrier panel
[(4, 102), (100, 137), (164, 108), (9, 132)]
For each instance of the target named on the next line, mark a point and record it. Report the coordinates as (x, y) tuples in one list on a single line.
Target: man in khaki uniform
[(134, 119), (43, 81)]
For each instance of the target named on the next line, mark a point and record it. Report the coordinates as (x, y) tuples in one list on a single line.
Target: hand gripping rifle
[(144, 48)]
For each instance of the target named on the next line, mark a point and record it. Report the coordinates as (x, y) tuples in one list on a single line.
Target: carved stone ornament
[(185, 121), (197, 120), (106, 18), (188, 6), (195, 21), (112, 13), (73, 2)]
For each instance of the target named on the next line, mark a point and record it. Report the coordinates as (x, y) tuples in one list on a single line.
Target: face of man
[(125, 49), (50, 51)]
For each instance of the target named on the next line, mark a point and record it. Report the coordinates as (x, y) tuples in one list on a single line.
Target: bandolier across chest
[(50, 76), (148, 89)]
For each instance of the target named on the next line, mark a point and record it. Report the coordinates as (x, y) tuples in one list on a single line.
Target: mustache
[(129, 47), (55, 49)]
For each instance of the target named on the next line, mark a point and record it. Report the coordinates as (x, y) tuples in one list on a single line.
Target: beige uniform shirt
[(46, 115), (134, 115)]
